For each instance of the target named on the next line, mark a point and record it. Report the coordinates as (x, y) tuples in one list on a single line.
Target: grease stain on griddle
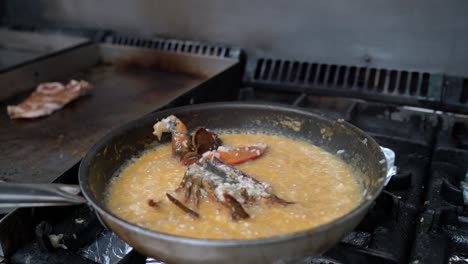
[(148, 62)]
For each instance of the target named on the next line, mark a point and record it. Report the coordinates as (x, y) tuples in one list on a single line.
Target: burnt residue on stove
[(392, 222), (60, 242), (442, 231), (147, 62), (34, 254)]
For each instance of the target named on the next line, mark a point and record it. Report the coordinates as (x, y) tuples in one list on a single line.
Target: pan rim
[(219, 243)]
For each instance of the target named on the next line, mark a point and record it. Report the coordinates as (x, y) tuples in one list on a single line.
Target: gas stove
[(386, 233), (421, 216)]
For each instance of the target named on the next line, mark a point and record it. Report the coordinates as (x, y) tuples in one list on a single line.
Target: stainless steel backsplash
[(427, 35)]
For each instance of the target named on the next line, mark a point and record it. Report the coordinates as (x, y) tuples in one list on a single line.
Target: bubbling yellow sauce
[(321, 186)]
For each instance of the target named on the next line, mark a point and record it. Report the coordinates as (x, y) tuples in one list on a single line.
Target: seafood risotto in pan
[(232, 186)]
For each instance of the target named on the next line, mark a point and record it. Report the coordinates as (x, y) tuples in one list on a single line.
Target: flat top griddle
[(128, 83), (21, 46)]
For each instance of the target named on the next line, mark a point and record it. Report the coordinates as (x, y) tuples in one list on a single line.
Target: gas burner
[(387, 232), (442, 231), (460, 134), (59, 242), (397, 123), (454, 132), (442, 237)]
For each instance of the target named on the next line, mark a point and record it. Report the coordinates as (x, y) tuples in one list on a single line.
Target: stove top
[(419, 218), (442, 231), (386, 234)]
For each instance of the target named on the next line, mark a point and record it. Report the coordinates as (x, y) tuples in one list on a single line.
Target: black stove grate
[(442, 232), (382, 84), (386, 234), (400, 86), (455, 95)]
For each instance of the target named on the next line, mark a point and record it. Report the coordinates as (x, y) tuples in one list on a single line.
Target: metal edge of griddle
[(24, 76), (31, 71), (176, 45), (179, 46), (17, 227), (213, 88), (178, 62), (36, 35), (44, 57), (95, 35), (157, 42)]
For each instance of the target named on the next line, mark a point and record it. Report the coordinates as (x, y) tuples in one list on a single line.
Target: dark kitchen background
[(396, 69)]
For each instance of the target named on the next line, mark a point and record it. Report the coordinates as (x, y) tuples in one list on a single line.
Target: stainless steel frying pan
[(107, 156)]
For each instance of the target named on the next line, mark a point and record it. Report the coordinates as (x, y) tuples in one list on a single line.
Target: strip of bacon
[(48, 98)]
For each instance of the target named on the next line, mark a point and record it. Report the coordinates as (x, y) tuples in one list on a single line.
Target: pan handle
[(37, 195)]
